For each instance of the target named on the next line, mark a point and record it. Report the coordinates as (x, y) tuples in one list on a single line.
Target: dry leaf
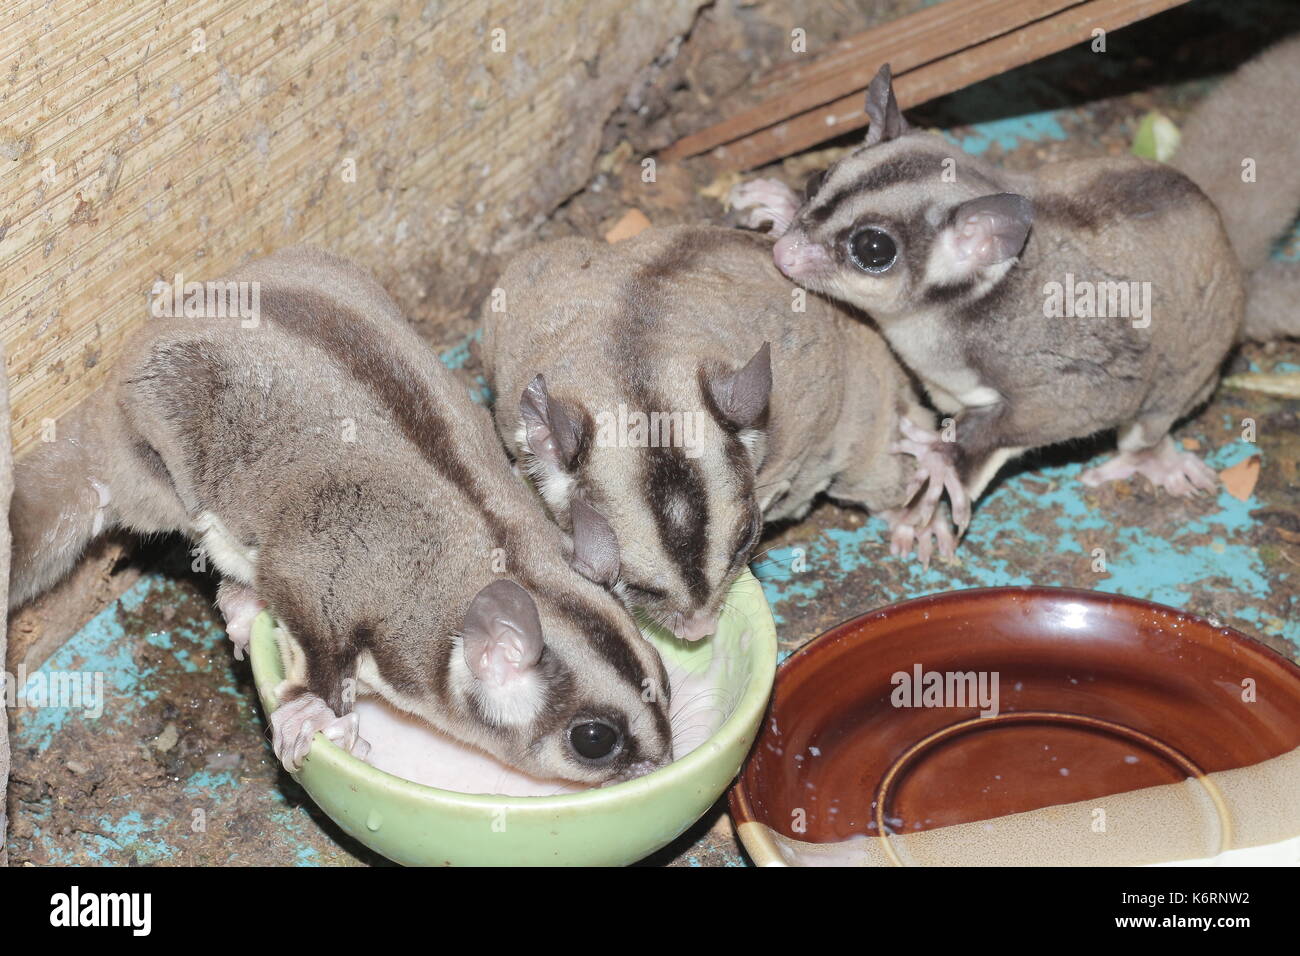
[(720, 188), (633, 221), (1191, 444), (1240, 479), (613, 161), (1286, 383)]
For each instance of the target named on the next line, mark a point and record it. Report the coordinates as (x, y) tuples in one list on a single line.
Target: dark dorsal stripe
[(674, 483), (1135, 193), (1066, 211), (349, 338), (670, 477), (908, 168)]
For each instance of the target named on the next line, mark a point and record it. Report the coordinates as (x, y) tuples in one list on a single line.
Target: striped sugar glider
[(759, 409), (329, 466), (965, 266)]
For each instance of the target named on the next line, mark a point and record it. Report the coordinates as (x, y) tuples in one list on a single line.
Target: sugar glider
[(964, 266), (329, 466), (1240, 146), (667, 394)]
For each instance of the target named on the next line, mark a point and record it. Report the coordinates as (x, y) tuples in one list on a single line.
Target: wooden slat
[(977, 22), (905, 43), (784, 136)]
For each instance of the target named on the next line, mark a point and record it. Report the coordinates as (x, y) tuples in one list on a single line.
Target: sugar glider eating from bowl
[(331, 467), (666, 398), (965, 266)]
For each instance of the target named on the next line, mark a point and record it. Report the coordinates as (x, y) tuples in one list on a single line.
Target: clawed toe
[(762, 201), (935, 475), (1201, 476), (294, 726), (907, 533), (1178, 472), (240, 606)]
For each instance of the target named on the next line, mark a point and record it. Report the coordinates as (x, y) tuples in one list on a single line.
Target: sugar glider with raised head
[(967, 269), (665, 396), (331, 468)]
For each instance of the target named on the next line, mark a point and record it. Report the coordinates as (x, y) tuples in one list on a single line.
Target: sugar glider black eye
[(813, 183), (872, 250), (594, 740)]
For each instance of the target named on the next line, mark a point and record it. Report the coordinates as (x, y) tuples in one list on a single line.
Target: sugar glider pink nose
[(799, 257), (697, 626)]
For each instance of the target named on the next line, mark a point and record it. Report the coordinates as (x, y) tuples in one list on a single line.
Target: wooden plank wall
[(142, 138), (6, 492)]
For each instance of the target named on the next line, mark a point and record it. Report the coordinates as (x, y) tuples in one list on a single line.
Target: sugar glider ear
[(741, 397), (502, 633), (595, 546), (552, 433), (988, 231), (882, 109)]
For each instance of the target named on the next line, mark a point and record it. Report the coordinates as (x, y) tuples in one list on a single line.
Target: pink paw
[(935, 474), (906, 533), (1166, 466), (295, 724), (764, 200), (240, 606)]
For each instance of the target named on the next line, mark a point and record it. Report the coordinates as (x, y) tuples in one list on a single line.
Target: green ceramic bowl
[(611, 826)]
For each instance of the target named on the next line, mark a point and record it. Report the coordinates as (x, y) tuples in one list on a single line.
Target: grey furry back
[(1254, 115), (634, 322), (317, 450), (242, 439)]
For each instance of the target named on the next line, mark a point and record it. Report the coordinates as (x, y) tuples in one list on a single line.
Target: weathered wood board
[(6, 491), (144, 138)]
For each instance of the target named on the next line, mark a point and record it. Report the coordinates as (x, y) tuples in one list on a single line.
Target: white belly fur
[(230, 556), (952, 384)]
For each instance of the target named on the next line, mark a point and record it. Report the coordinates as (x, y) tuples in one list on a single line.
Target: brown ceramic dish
[(1125, 732)]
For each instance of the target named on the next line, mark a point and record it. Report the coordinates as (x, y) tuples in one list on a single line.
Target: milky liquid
[(407, 747)]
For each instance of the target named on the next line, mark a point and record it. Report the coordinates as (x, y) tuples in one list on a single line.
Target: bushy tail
[(1249, 124), (1273, 302), (58, 506)]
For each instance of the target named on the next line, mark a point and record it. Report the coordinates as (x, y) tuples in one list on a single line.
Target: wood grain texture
[(935, 51), (6, 491), (905, 43), (144, 138)]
